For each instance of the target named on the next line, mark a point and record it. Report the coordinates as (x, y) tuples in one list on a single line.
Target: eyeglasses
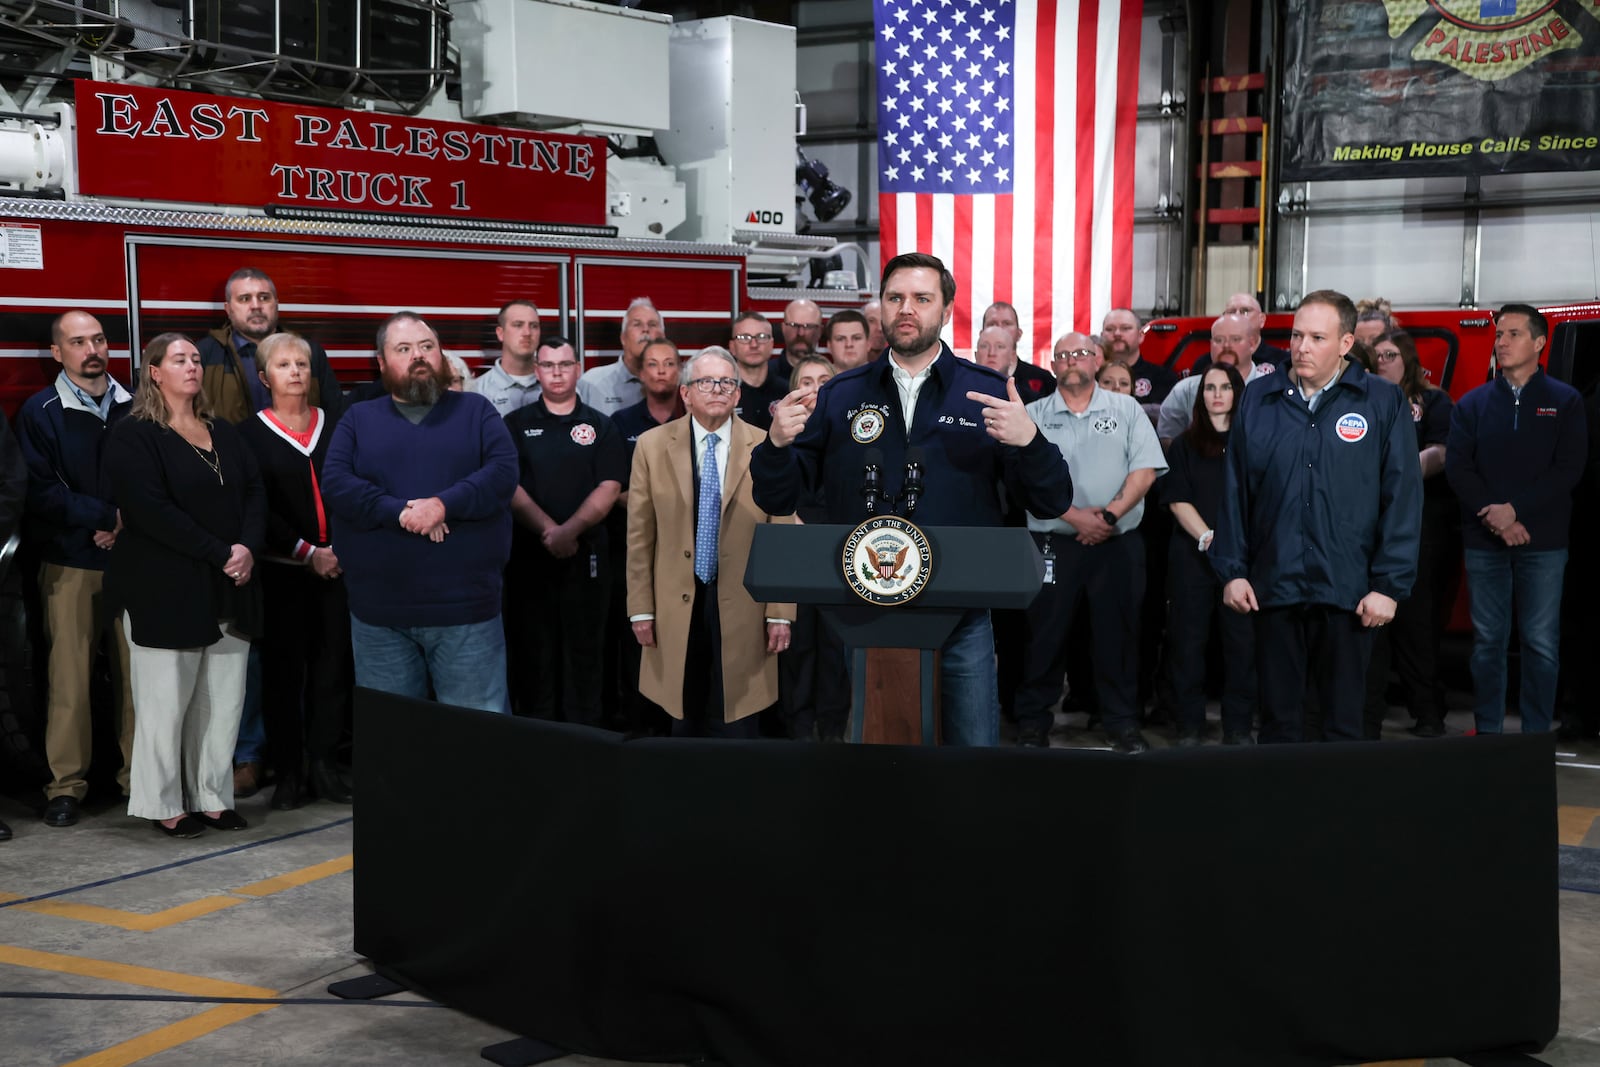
[(564, 367), (1388, 357), (804, 325), (1075, 355), (752, 338), (715, 385)]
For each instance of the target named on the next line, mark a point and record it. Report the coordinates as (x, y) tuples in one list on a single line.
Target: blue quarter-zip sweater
[(1325, 506), (461, 453), (1526, 451)]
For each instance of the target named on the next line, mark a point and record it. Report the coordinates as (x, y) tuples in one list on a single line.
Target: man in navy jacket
[(975, 436), (421, 482), (62, 431), (1516, 452), (1321, 520)]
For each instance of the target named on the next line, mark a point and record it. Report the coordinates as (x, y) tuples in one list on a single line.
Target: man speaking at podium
[(964, 426)]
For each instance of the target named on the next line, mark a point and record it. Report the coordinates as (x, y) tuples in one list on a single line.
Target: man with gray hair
[(615, 386), (710, 652), (421, 483)]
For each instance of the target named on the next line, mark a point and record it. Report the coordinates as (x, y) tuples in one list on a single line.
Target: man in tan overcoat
[(710, 651)]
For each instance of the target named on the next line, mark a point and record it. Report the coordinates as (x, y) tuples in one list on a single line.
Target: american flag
[(1006, 148)]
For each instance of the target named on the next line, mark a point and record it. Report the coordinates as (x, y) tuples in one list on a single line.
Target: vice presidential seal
[(866, 426), (887, 560)]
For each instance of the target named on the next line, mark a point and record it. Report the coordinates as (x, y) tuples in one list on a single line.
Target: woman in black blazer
[(193, 515), (305, 655)]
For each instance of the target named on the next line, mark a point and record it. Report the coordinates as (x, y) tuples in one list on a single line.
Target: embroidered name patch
[(1545, 411), (1351, 427)]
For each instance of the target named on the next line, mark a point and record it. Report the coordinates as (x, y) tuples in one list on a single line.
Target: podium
[(894, 645)]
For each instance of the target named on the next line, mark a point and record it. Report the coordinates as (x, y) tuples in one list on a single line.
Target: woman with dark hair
[(1411, 642), (1193, 491), (193, 516), (305, 652)]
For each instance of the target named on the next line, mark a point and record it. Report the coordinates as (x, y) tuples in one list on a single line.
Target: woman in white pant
[(193, 514)]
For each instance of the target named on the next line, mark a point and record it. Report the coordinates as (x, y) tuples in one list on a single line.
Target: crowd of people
[(244, 544)]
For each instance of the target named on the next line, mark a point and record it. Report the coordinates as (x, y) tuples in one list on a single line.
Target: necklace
[(214, 462)]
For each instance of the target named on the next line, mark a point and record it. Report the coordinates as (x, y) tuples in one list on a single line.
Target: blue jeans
[(1496, 578), (252, 723), (466, 663), (969, 689)]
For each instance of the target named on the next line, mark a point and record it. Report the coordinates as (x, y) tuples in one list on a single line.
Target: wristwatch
[(1105, 513)]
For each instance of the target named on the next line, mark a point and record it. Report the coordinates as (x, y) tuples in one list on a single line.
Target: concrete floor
[(120, 946)]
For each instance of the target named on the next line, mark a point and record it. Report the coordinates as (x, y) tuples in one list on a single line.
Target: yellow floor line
[(9, 896), (268, 886), (1574, 823), (144, 923), (131, 920), (171, 1036), (128, 973)]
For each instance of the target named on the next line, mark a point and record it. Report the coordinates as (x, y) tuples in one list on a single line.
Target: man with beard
[(1266, 357), (512, 383), (1093, 556), (845, 337), (616, 385), (1320, 523), (572, 463), (229, 373), (976, 439), (802, 330), (71, 524), (1234, 339), (421, 482), (759, 388), (1032, 382), (1121, 337)]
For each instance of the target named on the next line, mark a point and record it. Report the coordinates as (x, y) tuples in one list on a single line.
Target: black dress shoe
[(61, 811), (1130, 742), (289, 793), (1032, 738), (1238, 739), (228, 820), (325, 779), (188, 826), (5, 832), (1427, 728), (1187, 739)]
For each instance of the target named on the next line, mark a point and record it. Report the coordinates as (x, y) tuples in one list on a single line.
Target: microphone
[(869, 480), (912, 486)]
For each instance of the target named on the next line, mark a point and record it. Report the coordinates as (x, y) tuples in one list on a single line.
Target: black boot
[(325, 779), (290, 792)]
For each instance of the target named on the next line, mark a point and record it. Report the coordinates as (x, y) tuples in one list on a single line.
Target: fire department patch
[(1484, 39), (1141, 387), (1416, 411), (583, 434), (887, 560), (1105, 424), (1351, 427), (1265, 369), (867, 425)]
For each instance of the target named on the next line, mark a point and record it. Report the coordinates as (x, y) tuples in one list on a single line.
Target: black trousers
[(1311, 648), (560, 629), (1194, 604), (1108, 581), (703, 701), (1411, 642), (306, 665), (813, 678)]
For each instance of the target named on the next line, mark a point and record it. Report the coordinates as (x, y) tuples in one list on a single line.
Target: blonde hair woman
[(194, 517)]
